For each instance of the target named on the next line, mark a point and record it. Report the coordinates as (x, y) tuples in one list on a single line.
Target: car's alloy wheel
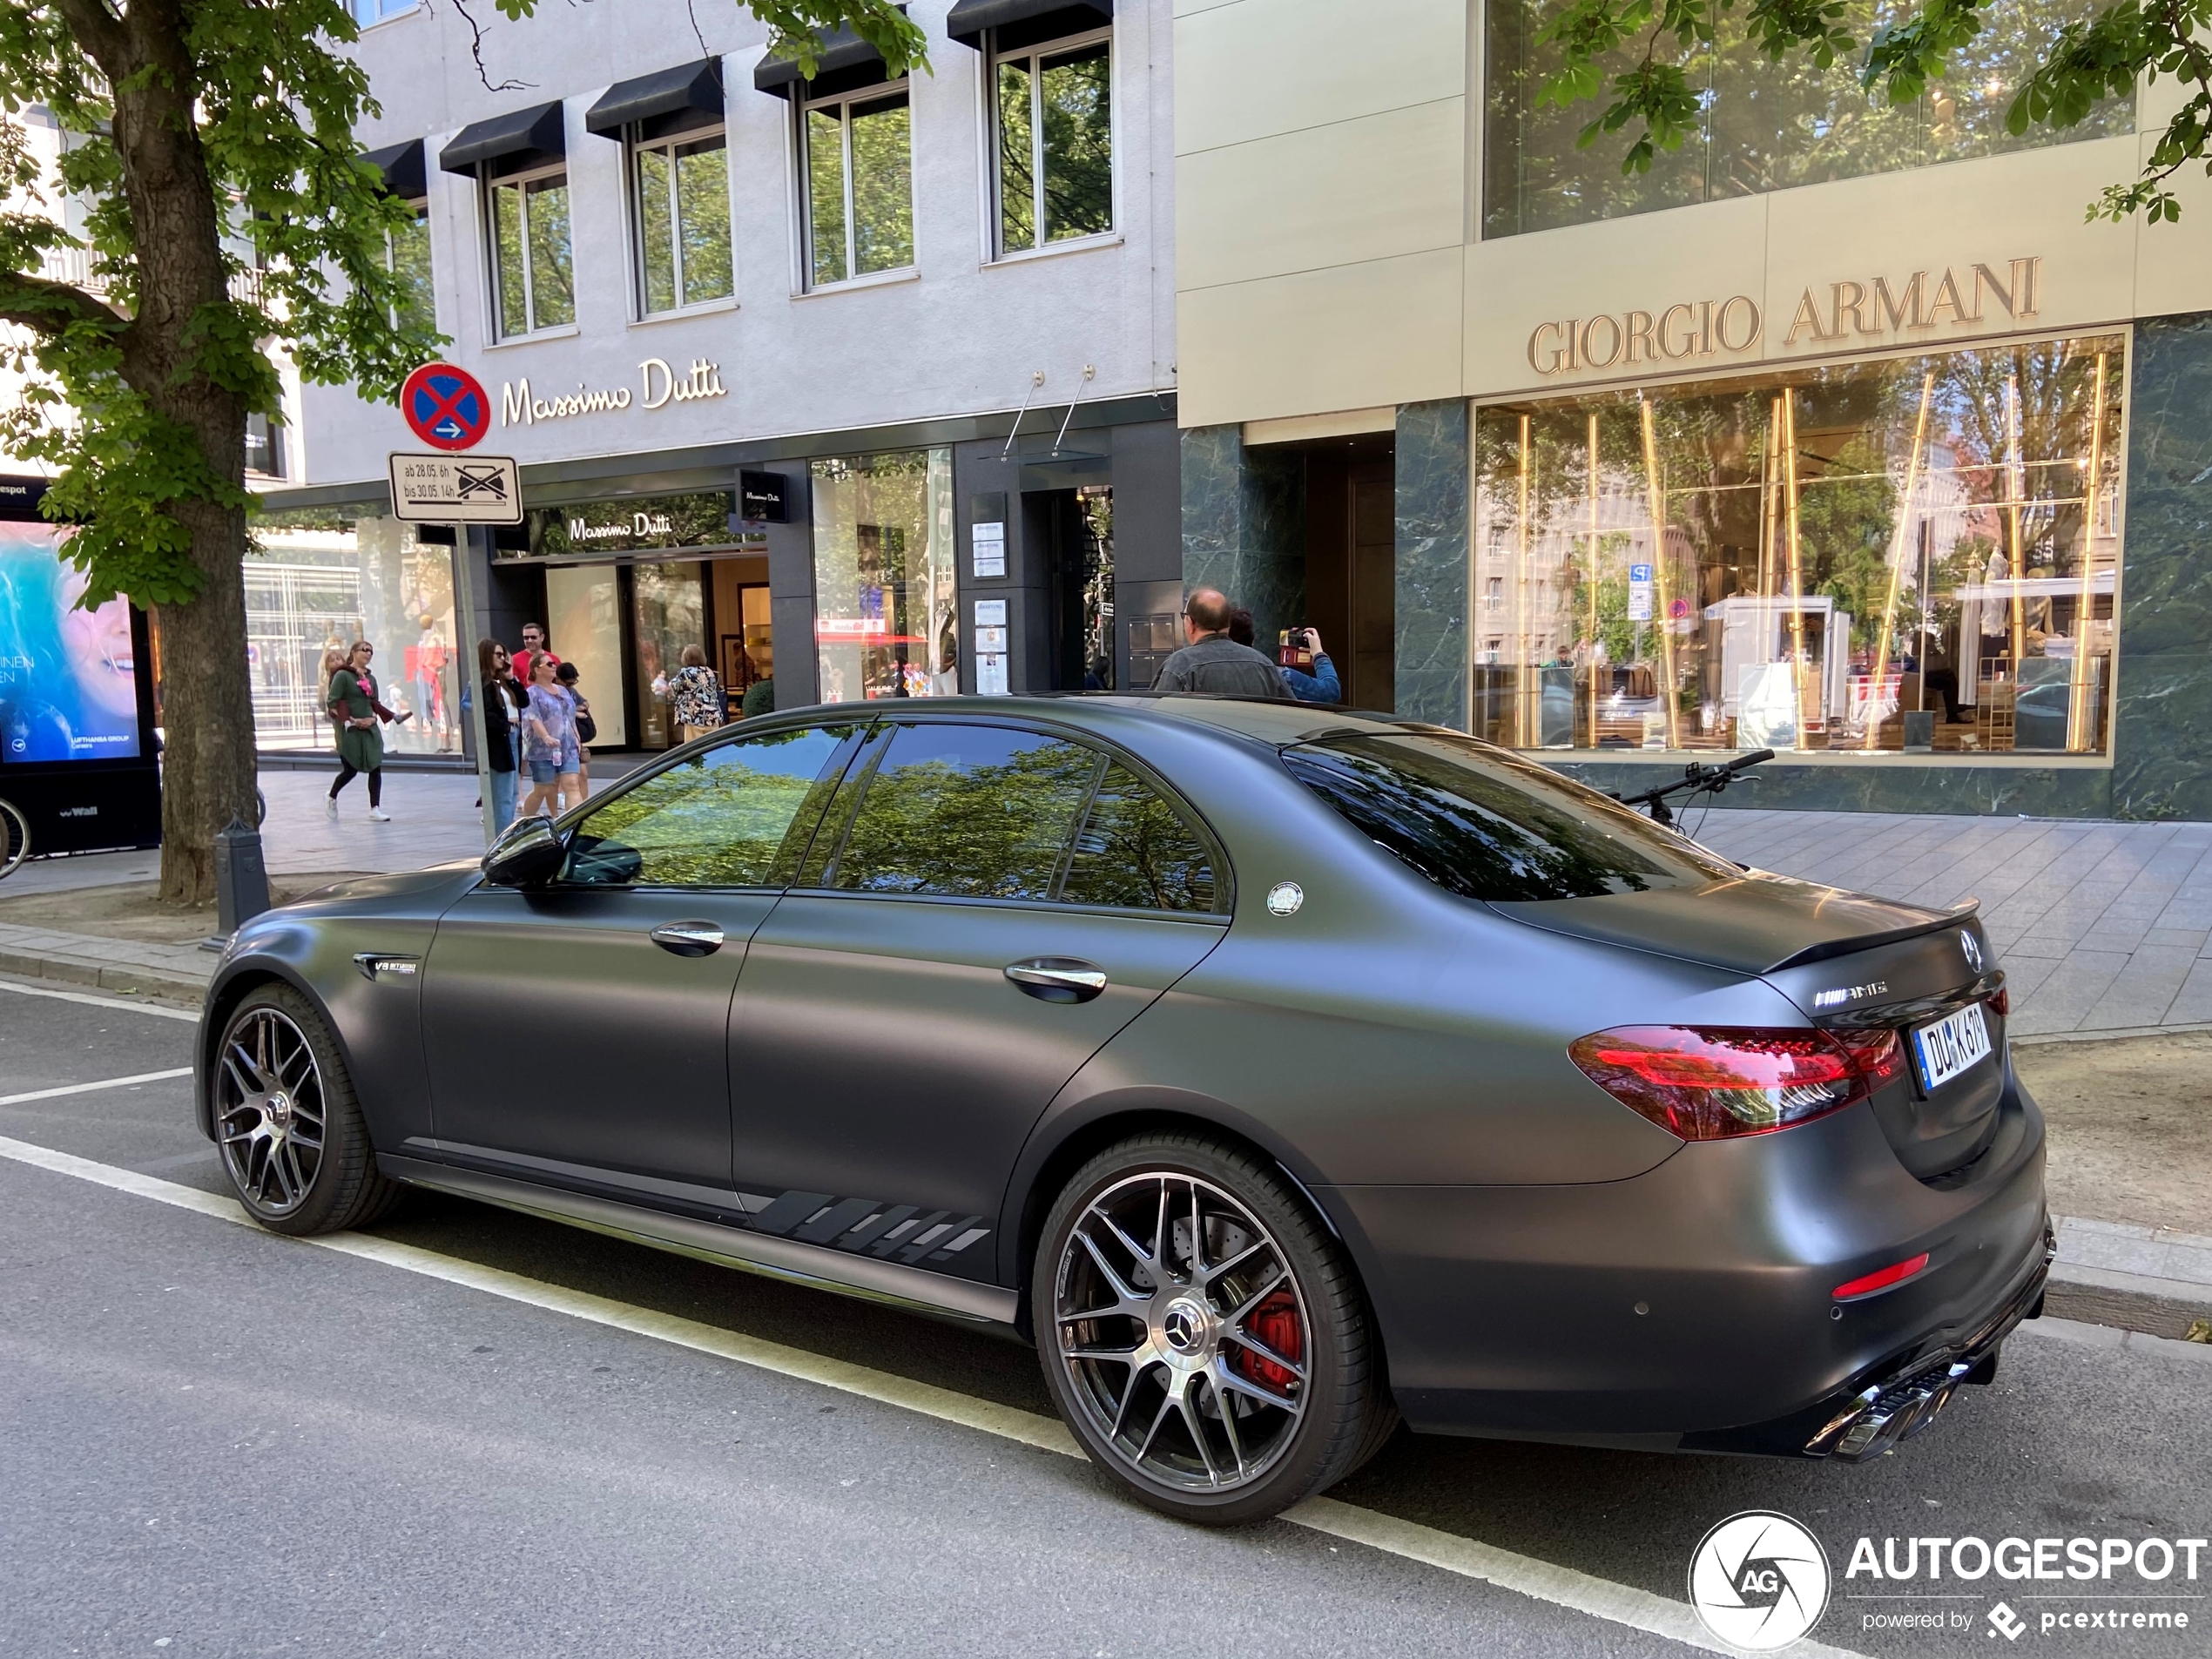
[(292, 1139), (1183, 1331), (1208, 1347)]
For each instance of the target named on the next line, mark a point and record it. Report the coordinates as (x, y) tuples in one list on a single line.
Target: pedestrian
[(535, 643), (696, 690), (354, 703), (1212, 662), (1322, 685), (504, 702), (586, 727), (548, 740), (760, 696)]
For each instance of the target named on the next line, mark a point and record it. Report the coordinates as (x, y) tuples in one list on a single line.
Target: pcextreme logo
[(1759, 1581)]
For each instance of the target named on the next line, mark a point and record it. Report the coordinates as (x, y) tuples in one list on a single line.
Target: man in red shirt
[(534, 645)]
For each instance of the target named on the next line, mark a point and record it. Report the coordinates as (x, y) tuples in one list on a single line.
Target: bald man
[(1213, 662)]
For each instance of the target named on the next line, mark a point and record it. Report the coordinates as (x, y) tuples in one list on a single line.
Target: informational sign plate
[(446, 407), (1640, 593), (455, 489), (988, 542)]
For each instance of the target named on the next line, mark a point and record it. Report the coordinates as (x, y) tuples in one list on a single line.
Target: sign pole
[(464, 597)]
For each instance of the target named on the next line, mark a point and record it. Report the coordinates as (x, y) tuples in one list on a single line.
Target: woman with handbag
[(504, 702), (355, 705)]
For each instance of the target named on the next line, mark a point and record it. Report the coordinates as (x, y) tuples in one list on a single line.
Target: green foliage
[(145, 418), (1654, 98)]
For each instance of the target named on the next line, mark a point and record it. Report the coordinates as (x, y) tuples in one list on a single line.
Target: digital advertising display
[(68, 677)]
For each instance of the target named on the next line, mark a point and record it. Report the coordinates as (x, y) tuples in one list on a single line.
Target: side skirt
[(812, 1266)]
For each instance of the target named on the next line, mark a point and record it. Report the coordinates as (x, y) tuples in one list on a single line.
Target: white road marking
[(1541, 1580), (100, 1002), (88, 1089)]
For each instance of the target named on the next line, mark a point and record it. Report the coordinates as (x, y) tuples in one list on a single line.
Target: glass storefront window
[(1913, 553), (317, 582), (886, 620), (1766, 125), (668, 612)]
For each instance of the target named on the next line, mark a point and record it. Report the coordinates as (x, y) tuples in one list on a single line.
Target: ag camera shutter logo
[(1759, 1581)]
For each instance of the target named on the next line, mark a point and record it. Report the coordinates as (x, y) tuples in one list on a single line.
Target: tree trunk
[(207, 709)]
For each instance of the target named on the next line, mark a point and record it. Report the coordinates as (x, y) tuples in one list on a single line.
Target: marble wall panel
[(1243, 525), (1434, 576), (2163, 714), (1880, 787)]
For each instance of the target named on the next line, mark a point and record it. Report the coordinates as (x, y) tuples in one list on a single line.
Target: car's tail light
[(1882, 1278), (2000, 1002), (1709, 1082)]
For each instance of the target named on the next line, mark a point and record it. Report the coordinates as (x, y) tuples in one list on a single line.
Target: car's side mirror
[(531, 852)]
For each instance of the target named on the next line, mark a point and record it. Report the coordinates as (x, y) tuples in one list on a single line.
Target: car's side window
[(981, 811), (1136, 851), (715, 819)]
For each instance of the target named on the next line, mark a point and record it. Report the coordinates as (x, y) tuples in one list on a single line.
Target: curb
[(2158, 1307), (164, 984)]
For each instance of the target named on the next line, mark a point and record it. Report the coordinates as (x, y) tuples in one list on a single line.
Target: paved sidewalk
[(2102, 927)]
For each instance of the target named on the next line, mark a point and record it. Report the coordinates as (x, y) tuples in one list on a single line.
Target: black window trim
[(1111, 751), (572, 820)]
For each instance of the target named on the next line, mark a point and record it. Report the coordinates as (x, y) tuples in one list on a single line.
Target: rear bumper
[(1691, 1306)]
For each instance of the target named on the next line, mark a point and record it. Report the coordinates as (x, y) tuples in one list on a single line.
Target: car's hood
[(1752, 924), (406, 884)]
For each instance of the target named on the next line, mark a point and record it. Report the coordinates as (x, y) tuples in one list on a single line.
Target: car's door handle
[(1058, 979), (688, 938)]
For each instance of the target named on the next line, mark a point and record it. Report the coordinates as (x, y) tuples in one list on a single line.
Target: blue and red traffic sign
[(446, 406)]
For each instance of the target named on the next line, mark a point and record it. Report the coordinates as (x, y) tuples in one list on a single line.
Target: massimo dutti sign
[(1855, 310), (660, 386)]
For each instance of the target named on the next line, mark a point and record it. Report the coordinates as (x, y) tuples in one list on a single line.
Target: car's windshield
[(1486, 825)]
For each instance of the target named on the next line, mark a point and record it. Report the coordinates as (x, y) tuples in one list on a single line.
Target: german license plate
[(1951, 1046)]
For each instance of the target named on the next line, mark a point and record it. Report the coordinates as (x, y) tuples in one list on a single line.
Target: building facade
[(862, 384), (1840, 431)]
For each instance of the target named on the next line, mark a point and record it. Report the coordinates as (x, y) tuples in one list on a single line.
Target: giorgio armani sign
[(1878, 308)]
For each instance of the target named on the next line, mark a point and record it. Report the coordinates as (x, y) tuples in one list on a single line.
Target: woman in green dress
[(360, 714)]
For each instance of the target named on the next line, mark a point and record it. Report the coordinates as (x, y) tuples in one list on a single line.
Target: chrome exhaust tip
[(1883, 1419)]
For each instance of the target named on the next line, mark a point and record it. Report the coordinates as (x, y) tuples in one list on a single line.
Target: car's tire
[(1173, 1384), (287, 1127)]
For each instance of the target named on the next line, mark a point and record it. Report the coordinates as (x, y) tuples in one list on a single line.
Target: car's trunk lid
[(1845, 959)]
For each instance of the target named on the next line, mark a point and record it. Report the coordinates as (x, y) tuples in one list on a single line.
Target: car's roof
[(1272, 722)]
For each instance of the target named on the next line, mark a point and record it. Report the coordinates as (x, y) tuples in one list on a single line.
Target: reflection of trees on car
[(978, 829), (715, 820)]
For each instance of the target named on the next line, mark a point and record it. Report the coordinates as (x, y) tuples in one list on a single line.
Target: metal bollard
[(241, 880)]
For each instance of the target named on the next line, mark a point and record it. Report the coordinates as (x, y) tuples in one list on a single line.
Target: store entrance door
[(1075, 528), (1351, 564), (667, 612)]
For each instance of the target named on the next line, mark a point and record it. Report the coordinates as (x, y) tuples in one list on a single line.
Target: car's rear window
[(1484, 824)]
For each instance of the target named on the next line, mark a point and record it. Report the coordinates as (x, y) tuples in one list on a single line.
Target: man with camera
[(1213, 662)]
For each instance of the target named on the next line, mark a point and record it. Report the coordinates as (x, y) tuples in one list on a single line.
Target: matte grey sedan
[(1279, 1072)]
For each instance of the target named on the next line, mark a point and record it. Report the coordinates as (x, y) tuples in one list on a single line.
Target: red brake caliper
[(1276, 1322)]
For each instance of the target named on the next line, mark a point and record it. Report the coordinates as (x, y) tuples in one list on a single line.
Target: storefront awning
[(845, 62), (1041, 19), (403, 169), (691, 92), (518, 137)]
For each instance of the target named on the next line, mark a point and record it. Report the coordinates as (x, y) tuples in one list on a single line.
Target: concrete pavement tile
[(2143, 990), (2190, 938), (2062, 1001), (2192, 1004)]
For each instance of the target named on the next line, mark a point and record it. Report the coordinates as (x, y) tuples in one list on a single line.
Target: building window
[(368, 11), (407, 255), (857, 157), (1765, 124), (264, 446), (681, 187), (886, 622), (1052, 112), (533, 278), (1919, 552)]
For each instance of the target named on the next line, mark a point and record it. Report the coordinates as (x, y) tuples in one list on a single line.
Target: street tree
[(226, 219), (1636, 55)]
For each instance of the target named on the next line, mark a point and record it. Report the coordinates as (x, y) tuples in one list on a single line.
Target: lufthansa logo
[(1759, 1581)]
